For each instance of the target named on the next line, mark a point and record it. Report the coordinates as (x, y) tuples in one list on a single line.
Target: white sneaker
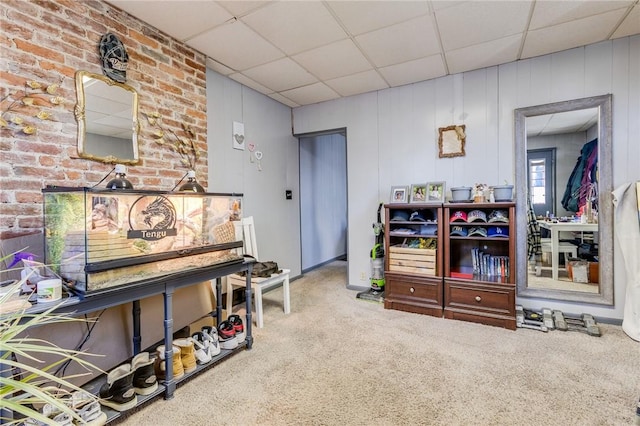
[(201, 345), (211, 334), (88, 408)]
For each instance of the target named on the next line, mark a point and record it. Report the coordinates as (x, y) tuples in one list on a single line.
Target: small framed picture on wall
[(435, 192), (399, 194), (418, 193)]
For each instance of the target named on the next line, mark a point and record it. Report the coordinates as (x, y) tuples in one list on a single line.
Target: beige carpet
[(336, 360)]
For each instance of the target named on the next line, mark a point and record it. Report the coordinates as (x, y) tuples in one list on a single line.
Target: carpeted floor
[(337, 360)]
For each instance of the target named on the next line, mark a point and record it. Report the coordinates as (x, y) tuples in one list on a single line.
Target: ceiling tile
[(484, 55), (295, 26), (243, 79), (278, 97), (241, 8), (218, 67), (443, 4), (334, 60), (313, 94), (235, 46), (280, 75), (549, 13), (630, 25), (180, 19), (413, 71), (476, 22), (571, 34), (401, 42), (364, 16), (354, 84)]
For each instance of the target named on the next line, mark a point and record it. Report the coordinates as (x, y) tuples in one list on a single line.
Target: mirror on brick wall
[(107, 115)]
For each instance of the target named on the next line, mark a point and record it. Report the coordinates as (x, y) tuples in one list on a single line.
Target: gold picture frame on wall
[(451, 141)]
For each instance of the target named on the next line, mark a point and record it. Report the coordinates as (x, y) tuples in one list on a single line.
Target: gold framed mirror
[(107, 115)]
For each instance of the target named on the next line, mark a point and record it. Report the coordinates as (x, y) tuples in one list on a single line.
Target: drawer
[(413, 294), (489, 298)]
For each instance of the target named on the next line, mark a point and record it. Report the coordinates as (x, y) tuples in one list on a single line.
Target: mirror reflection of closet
[(107, 115), (564, 165)]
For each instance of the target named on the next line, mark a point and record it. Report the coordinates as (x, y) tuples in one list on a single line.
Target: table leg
[(218, 301), (249, 337), (554, 253), (137, 338), (170, 382)]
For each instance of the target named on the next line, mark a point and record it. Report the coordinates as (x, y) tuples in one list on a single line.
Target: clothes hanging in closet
[(584, 173)]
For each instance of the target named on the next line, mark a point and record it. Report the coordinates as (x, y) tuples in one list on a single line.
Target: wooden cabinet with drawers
[(479, 263), (413, 258)]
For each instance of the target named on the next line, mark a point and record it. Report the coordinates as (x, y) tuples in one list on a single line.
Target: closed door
[(541, 174)]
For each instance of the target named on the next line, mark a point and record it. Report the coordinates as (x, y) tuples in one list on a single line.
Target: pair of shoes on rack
[(59, 417), (206, 344), (84, 404), (183, 357), (128, 380), (231, 332), (87, 408)]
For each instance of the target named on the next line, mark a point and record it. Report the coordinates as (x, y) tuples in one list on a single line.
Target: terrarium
[(96, 239)]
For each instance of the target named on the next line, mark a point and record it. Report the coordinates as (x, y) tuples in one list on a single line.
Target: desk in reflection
[(555, 228)]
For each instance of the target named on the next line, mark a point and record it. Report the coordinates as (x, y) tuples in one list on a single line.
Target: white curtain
[(627, 226)]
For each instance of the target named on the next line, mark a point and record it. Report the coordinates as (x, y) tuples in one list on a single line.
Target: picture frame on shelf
[(399, 194), (418, 193), (435, 192)]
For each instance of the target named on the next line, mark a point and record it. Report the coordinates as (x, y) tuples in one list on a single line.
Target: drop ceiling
[(305, 52)]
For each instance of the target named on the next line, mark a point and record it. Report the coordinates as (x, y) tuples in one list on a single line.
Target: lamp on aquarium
[(120, 181), (191, 185)]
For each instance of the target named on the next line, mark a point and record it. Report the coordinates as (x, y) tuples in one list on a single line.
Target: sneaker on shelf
[(88, 408), (211, 334), (201, 344), (187, 353), (118, 392), (52, 412), (237, 326), (159, 363), (144, 376), (227, 335)]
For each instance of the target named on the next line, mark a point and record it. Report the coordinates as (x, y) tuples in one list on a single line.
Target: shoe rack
[(165, 285)]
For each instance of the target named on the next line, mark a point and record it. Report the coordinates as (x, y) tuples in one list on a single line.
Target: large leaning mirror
[(564, 203), (107, 114)]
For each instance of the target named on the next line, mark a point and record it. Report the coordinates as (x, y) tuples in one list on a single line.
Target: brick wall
[(48, 41)]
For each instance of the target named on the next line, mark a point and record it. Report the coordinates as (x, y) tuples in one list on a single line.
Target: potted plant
[(503, 192), (26, 386), (461, 193)]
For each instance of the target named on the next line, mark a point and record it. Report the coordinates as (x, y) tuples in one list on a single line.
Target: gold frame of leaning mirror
[(84, 148)]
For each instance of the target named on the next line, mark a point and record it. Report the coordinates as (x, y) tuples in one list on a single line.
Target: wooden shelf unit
[(413, 274), (481, 290)]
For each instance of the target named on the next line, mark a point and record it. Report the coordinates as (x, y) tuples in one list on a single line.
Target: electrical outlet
[(363, 276)]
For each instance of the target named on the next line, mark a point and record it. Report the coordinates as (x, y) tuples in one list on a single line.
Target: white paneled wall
[(267, 124), (392, 134)]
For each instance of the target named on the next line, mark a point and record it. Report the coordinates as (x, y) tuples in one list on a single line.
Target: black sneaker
[(237, 326), (227, 335), (118, 392)]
